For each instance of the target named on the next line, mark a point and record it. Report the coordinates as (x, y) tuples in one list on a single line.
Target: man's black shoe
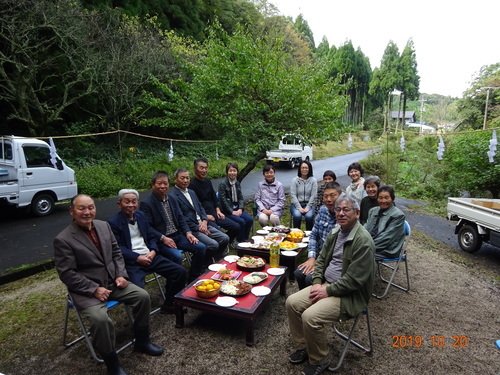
[(298, 356), (316, 369)]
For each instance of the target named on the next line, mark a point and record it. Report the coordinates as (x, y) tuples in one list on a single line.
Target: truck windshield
[(290, 140), (37, 156)]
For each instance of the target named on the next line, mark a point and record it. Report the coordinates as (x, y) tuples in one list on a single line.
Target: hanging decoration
[(402, 142), (440, 150), (493, 147), (349, 141), (171, 153), (53, 154)]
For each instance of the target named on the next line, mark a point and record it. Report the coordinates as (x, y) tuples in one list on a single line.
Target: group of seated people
[(378, 214), (336, 281), (100, 261)]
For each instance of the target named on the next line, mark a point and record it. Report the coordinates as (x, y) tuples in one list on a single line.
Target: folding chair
[(186, 257), (155, 277), (394, 264), (85, 333), (349, 338)]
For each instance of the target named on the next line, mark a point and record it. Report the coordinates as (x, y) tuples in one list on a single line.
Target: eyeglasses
[(345, 209)]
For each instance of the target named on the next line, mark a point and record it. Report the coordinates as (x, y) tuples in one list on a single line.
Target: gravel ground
[(452, 308), (447, 289)]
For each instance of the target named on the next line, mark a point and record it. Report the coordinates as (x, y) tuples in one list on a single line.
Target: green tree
[(410, 80), (248, 92), (387, 78), (472, 106), (468, 167), (304, 31), (44, 71)]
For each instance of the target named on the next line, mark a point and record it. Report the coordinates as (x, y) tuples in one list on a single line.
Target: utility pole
[(421, 111), (487, 100)]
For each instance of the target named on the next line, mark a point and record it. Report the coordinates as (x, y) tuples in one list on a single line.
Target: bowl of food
[(295, 236), (250, 264), (207, 288)]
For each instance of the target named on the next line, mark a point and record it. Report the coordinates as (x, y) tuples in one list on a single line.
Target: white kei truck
[(32, 174), (292, 150), (478, 222)]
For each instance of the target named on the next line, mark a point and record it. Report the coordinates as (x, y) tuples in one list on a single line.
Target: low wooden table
[(288, 261), (248, 308)]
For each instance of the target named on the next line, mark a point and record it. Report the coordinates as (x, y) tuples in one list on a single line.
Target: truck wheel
[(42, 205), (293, 163), (469, 239)]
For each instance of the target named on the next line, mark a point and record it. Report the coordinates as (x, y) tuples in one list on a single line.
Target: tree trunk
[(250, 166)]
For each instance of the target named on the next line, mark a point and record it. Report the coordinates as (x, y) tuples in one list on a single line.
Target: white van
[(31, 173)]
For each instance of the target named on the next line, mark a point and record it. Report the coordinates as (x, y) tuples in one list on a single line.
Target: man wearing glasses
[(342, 286)]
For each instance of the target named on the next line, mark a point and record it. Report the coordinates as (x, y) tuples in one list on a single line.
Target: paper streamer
[(493, 147), (440, 150)]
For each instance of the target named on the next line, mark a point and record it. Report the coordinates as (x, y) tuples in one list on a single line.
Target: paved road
[(27, 240)]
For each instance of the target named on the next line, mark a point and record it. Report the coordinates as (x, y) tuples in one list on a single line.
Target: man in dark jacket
[(166, 219), (205, 192), (139, 246), (207, 232)]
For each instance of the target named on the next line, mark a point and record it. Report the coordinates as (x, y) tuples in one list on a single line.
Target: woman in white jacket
[(303, 192)]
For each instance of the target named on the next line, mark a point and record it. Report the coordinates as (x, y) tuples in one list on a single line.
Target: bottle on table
[(274, 254)]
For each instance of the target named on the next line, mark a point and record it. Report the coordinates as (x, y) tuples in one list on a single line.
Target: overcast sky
[(452, 39)]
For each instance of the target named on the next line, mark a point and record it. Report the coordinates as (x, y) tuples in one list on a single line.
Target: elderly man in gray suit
[(90, 263)]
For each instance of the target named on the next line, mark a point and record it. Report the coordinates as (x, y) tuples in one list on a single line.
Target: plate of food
[(225, 274), (280, 229), (226, 301), (216, 266), (302, 245), (288, 245), (261, 291), (250, 264), (275, 271), (262, 245), (262, 232), (268, 228), (235, 288), (255, 277)]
